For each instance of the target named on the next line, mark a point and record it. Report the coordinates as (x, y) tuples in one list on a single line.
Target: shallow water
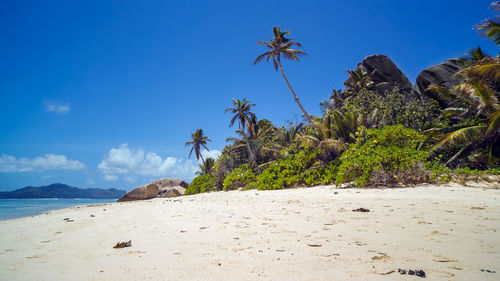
[(16, 208)]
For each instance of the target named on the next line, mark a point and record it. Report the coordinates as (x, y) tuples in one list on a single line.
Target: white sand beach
[(451, 232)]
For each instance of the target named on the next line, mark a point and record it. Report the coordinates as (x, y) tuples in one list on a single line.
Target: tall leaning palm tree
[(198, 141), (278, 46)]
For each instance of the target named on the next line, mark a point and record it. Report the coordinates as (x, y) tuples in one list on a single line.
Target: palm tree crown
[(280, 45), (474, 55), (241, 111), (198, 141)]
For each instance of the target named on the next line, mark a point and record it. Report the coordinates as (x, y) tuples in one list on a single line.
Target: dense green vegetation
[(239, 177), (200, 184), (369, 134), (388, 152)]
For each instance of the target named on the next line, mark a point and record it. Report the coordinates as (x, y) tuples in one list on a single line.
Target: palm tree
[(289, 133), (358, 80), (280, 45), (321, 135), (242, 113), (474, 55), (246, 118), (490, 28), (345, 125), (336, 100), (198, 141), (206, 167), (476, 99)]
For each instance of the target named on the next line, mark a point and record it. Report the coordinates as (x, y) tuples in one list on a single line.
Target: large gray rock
[(141, 193), (169, 182), (172, 192), (386, 72), (439, 74), (167, 187)]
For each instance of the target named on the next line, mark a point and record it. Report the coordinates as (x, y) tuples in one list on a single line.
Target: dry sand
[(450, 232)]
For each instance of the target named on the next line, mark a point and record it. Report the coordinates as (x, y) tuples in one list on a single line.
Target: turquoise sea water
[(16, 208)]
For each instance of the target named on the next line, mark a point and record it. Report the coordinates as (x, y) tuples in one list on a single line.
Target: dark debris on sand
[(416, 272), (123, 244), (361, 210)]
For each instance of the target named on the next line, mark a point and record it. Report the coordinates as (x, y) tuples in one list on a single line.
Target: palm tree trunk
[(293, 93), (250, 152)]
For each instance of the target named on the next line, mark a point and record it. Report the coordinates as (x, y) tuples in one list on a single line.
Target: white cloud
[(210, 153), (110, 177), (89, 181), (130, 162), (59, 108), (10, 164)]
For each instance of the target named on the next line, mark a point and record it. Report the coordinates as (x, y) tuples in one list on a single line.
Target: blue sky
[(106, 93)]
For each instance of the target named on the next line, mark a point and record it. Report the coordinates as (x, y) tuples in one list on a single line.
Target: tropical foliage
[(388, 150), (474, 110), (368, 134), (239, 177), (490, 28), (303, 168), (200, 184)]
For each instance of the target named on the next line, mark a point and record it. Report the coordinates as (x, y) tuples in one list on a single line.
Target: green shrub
[(394, 107), (468, 171), (493, 171), (390, 150), (444, 174), (297, 170), (239, 177), (201, 184), (227, 161), (321, 175)]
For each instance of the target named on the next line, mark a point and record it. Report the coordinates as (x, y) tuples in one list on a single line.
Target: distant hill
[(59, 190)]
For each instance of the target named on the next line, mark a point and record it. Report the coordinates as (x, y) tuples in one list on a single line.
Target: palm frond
[(451, 111), (293, 54), (231, 122), (261, 57), (462, 136), (267, 44), (494, 125), (451, 98), (191, 152), (275, 63), (490, 29), (486, 95), (486, 69)]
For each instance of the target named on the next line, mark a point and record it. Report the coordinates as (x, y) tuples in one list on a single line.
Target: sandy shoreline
[(450, 232)]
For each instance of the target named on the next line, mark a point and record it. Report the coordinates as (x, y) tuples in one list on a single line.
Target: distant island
[(59, 190)]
